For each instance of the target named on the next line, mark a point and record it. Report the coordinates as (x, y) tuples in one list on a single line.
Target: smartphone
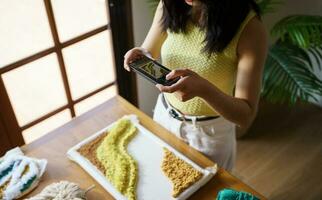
[(152, 71)]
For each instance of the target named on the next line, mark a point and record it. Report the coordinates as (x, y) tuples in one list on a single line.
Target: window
[(57, 61)]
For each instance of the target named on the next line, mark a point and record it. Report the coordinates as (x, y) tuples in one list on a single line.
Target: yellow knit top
[(184, 51)]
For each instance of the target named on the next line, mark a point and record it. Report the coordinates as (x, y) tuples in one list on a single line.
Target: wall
[(142, 19)]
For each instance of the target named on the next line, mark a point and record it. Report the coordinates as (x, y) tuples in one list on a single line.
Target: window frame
[(119, 23)]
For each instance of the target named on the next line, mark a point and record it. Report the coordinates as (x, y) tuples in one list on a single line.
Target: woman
[(218, 49)]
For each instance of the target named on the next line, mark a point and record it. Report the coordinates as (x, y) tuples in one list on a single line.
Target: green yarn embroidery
[(28, 184), (6, 171)]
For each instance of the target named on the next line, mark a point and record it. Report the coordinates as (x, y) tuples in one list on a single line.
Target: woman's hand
[(188, 86), (133, 55)]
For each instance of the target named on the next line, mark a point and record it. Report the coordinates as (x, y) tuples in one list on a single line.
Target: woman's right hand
[(133, 55)]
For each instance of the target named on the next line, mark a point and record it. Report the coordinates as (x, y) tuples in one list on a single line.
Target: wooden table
[(54, 146)]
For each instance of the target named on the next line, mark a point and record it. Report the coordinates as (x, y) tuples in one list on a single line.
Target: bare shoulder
[(254, 37)]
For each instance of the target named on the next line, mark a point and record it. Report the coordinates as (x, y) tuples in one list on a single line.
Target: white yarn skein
[(63, 190)]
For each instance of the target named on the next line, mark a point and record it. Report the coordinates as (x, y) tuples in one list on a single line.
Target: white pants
[(214, 138)]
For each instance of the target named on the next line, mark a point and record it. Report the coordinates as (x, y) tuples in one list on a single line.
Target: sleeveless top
[(183, 50)]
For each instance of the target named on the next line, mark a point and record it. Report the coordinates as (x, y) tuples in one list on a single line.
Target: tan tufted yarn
[(63, 190)]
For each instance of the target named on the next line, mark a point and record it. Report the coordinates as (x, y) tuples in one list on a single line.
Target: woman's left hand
[(187, 87)]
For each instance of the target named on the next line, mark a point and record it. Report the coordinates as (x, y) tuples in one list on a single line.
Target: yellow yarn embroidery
[(121, 168), (184, 51)]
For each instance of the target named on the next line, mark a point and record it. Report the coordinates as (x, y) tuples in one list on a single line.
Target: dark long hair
[(220, 19)]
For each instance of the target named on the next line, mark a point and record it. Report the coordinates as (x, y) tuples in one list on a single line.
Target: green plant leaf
[(316, 54), (287, 76), (268, 6), (302, 30)]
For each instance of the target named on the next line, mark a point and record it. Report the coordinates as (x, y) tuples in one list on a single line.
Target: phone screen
[(153, 70)]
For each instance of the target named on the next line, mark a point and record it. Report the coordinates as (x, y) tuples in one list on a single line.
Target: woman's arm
[(240, 109), (152, 44), (155, 36)]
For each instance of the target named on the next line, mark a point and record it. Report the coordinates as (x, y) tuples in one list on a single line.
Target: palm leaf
[(316, 56), (268, 6), (302, 30), (287, 76)]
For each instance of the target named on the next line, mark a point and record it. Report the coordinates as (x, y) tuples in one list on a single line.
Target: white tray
[(147, 149)]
